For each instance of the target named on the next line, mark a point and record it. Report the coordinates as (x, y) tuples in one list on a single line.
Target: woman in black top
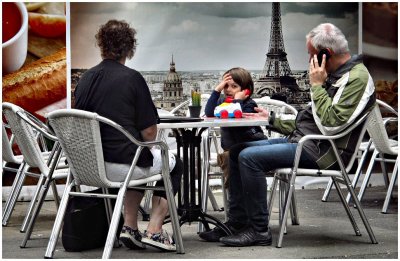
[(121, 94)]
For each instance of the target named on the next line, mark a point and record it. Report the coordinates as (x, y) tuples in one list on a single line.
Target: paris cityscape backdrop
[(205, 40)]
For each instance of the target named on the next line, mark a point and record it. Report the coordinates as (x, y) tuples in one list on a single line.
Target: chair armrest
[(180, 106), (387, 107), (330, 138), (387, 120), (37, 125), (160, 143)]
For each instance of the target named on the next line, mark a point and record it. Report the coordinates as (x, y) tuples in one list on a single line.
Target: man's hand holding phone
[(317, 73)]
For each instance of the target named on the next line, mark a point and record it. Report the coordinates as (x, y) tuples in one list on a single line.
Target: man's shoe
[(248, 237), (215, 234)]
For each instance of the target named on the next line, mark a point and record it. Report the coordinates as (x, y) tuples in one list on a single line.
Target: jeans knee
[(250, 165), (245, 159)]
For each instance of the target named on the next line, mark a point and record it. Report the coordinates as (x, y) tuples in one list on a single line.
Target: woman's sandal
[(160, 240)]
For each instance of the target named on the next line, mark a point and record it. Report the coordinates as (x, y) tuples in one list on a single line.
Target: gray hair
[(328, 36)]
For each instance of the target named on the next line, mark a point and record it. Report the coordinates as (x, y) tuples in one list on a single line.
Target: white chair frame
[(383, 145), (24, 125), (389, 146), (341, 176), (78, 121)]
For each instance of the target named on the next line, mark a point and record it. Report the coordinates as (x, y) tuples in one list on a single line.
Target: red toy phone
[(230, 99)]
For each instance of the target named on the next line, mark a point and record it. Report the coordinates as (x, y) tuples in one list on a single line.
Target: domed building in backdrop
[(172, 90)]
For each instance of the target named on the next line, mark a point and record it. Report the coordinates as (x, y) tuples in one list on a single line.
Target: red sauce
[(12, 20)]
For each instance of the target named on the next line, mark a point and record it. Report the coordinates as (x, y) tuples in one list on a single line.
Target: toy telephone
[(228, 109), (230, 99)]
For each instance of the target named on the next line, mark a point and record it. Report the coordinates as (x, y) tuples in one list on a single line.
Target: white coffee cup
[(15, 49)]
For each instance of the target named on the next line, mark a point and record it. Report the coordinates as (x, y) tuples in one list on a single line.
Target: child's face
[(231, 88)]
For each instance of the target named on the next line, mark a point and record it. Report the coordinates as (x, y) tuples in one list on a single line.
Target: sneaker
[(161, 240), (215, 234), (131, 238)]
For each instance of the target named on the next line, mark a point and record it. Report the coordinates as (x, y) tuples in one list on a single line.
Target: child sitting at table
[(234, 83)]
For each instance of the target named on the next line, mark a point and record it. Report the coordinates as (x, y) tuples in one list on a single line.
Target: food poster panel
[(34, 67)]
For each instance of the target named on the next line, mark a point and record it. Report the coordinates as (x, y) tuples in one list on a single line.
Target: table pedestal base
[(194, 214)]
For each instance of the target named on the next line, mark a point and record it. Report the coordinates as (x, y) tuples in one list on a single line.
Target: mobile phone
[(320, 55)]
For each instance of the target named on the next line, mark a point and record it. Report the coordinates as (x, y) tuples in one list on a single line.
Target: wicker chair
[(382, 146), (24, 125), (79, 135), (289, 175), (369, 146)]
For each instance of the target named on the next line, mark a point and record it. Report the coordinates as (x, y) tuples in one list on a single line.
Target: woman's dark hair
[(116, 40), (242, 77)]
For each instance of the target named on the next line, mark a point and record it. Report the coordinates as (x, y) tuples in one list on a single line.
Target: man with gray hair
[(341, 91)]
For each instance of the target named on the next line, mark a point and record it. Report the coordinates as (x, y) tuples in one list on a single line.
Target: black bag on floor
[(85, 223)]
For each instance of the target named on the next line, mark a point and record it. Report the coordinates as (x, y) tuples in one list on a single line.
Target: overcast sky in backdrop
[(207, 36)]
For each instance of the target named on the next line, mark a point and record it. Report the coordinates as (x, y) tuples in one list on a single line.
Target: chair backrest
[(281, 108), (377, 131), (25, 136), (79, 135), (363, 122), (6, 148)]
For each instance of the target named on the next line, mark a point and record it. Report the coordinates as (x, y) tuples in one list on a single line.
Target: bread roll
[(38, 84)]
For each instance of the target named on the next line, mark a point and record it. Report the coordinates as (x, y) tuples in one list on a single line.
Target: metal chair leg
[(346, 207), (42, 195), (356, 175), (58, 222), (327, 190), (109, 211), (205, 167), (286, 206), (38, 206), (32, 204), (272, 196), (384, 170), (212, 199), (361, 212), (391, 187), (293, 210), (282, 200), (367, 175), (14, 193), (55, 193), (114, 224), (174, 217), (359, 169)]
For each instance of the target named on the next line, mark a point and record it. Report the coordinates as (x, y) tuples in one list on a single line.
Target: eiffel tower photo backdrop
[(206, 39)]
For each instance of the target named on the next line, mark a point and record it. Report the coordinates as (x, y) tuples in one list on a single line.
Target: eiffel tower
[(276, 75)]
